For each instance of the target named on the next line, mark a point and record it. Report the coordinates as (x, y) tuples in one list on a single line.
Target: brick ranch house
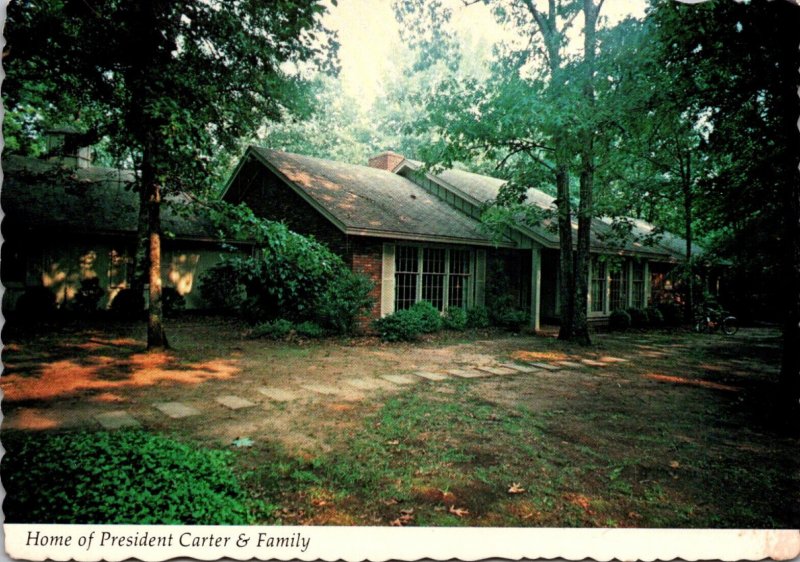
[(418, 235)]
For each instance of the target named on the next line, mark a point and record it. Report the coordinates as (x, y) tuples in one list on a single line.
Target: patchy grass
[(675, 430)]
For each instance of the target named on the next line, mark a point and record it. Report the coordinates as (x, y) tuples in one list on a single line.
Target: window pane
[(433, 276), (405, 279), (619, 288), (637, 286), (598, 286), (459, 278)]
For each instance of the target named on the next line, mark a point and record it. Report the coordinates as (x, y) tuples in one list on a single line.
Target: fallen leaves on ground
[(515, 488), (406, 517), (458, 511)]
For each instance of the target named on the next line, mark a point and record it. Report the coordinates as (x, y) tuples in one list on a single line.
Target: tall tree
[(713, 51), (174, 82)]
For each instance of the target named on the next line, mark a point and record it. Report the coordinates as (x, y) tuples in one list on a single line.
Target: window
[(440, 276), (459, 278), (618, 287), (598, 286), (637, 285), (406, 269)]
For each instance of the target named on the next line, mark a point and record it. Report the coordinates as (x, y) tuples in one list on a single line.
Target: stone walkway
[(354, 389)]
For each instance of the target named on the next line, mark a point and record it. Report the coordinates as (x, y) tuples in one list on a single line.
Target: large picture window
[(440, 276)]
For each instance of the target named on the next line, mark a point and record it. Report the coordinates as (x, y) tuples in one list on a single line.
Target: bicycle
[(711, 320)]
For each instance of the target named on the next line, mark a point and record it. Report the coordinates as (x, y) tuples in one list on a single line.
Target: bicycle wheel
[(730, 326), (700, 325)]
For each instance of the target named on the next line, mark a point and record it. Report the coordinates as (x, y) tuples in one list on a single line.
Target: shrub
[(672, 313), (619, 320), (403, 325), (173, 302), (309, 329), (121, 477), (221, 287), (274, 330), (128, 305), (455, 319), (346, 298), (654, 316), (88, 296), (36, 302), (429, 318), (512, 319), (638, 317), (477, 317)]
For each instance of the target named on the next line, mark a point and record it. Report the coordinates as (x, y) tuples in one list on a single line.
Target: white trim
[(387, 280)]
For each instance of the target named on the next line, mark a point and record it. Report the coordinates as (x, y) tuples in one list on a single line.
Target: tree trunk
[(156, 337), (566, 264), (688, 203), (585, 209), (140, 262)]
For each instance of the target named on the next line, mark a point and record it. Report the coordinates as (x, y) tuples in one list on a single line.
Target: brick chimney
[(386, 161)]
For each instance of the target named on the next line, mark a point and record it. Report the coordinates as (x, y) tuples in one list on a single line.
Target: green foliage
[(402, 325), (127, 305), (346, 298), (477, 317), (222, 289), (619, 320), (121, 477), (36, 303), (309, 329), (455, 318), (639, 317), (512, 319), (672, 313), (173, 302), (654, 316), (88, 296), (273, 330), (430, 320)]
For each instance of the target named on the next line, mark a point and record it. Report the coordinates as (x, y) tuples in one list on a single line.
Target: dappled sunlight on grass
[(66, 377), (691, 382)]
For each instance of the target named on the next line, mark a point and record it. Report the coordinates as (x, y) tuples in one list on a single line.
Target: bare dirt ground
[(662, 428)]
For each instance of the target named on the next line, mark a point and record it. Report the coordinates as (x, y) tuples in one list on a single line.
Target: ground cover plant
[(676, 430), (119, 478)]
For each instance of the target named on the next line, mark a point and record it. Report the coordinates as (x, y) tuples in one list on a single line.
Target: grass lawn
[(643, 429)]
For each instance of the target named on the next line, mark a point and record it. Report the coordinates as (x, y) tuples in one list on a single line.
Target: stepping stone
[(117, 419), (234, 402), (498, 370), (431, 376), (322, 389), (399, 379), (593, 363), (278, 394), (608, 359), (176, 410), (545, 366), (467, 373), (570, 364), (364, 384), (519, 368)]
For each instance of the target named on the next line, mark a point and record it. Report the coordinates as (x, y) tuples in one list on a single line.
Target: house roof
[(47, 197), (366, 201), (480, 189)]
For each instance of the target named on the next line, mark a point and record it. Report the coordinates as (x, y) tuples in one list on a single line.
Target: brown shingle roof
[(42, 196), (367, 201)]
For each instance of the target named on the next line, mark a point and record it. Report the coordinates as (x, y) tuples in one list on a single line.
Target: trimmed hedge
[(619, 320)]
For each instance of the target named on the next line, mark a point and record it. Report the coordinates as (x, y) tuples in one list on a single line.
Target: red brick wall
[(367, 257)]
